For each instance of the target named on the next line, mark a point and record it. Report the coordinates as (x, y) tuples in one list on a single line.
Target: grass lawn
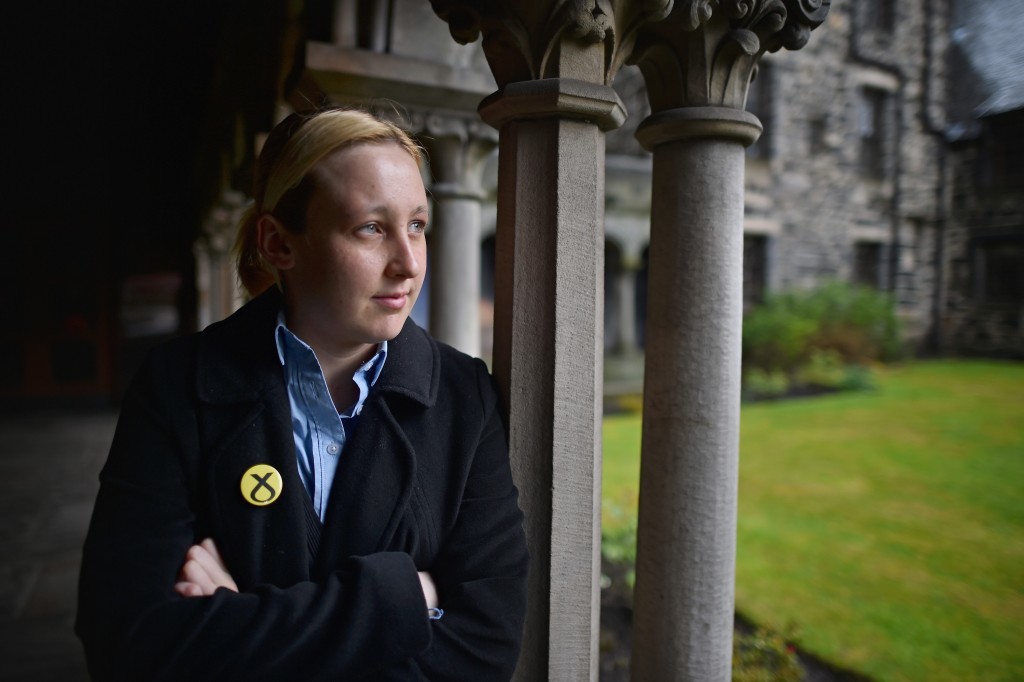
[(887, 526)]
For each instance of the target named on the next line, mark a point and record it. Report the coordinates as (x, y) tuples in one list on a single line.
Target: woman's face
[(356, 271)]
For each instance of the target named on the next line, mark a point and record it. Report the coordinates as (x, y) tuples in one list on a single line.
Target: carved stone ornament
[(457, 148), (531, 39), (706, 51)]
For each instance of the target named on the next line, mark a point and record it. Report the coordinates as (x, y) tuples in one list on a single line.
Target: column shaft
[(455, 271), (458, 149), (548, 340), (549, 319), (688, 484), (625, 299)]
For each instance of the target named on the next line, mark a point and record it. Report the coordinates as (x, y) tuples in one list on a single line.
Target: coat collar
[(234, 371)]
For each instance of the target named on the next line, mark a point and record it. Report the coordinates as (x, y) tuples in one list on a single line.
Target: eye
[(418, 226), (369, 228)]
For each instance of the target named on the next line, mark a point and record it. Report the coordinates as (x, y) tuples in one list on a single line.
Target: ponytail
[(254, 273)]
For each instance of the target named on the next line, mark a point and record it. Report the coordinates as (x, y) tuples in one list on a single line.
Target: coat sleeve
[(362, 618), (481, 571)]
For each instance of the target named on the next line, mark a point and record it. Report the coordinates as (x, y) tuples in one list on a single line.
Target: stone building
[(891, 157), (844, 183), (984, 247)]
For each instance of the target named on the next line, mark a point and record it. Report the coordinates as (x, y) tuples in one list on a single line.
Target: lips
[(394, 301)]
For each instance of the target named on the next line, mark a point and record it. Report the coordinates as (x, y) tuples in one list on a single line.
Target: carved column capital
[(462, 128), (219, 227), (458, 147), (563, 97), (529, 40), (706, 51), (684, 123)]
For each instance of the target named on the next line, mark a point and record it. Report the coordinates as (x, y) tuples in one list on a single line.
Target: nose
[(407, 256)]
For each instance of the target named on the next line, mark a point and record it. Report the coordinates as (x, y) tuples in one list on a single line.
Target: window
[(755, 269), (760, 103), (1004, 149), (999, 271), (867, 264), (873, 130)]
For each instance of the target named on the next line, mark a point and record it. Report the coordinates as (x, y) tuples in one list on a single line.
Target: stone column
[(625, 300), (458, 150), (548, 351), (217, 289), (553, 62), (697, 64), (683, 602)]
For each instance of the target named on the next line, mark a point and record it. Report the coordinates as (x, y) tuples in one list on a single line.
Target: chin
[(389, 331)]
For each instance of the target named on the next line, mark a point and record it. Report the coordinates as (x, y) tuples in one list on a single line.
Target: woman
[(313, 488)]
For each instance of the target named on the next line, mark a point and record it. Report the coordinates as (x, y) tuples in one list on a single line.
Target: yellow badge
[(261, 485)]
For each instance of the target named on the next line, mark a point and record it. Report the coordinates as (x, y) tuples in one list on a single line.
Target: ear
[(274, 242)]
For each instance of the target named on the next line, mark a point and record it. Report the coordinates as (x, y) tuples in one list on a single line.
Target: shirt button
[(333, 449)]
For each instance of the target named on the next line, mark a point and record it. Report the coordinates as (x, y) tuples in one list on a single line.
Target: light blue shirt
[(319, 427)]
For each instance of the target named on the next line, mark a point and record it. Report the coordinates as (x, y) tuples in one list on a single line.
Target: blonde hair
[(283, 183)]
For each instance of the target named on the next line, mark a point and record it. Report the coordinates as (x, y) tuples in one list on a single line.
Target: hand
[(429, 589), (203, 572)]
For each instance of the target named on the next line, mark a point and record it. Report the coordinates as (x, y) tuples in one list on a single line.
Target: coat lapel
[(371, 488), (246, 421), (375, 480)]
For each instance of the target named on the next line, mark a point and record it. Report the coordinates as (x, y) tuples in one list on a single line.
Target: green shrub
[(814, 337), (857, 378), (777, 335), (618, 541), (824, 367), (760, 383), (764, 656), (857, 322)]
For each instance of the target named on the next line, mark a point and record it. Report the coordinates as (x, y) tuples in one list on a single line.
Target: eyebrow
[(378, 210), (420, 209)]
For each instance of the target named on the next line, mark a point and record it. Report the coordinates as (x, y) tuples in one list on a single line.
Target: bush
[(764, 656), (777, 335), (618, 542), (857, 322), (760, 383), (815, 337), (825, 368)]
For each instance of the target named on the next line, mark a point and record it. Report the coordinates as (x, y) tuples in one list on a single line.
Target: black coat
[(423, 484)]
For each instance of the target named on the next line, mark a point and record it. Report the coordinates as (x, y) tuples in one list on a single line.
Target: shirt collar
[(285, 337)]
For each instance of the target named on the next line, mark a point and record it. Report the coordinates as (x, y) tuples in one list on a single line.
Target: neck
[(338, 370), (338, 363)]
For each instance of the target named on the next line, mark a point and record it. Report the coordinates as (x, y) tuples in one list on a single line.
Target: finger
[(213, 567), (206, 561), (211, 547), (187, 589), (429, 589), (195, 573)]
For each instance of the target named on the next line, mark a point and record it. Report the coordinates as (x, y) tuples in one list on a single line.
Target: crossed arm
[(204, 572)]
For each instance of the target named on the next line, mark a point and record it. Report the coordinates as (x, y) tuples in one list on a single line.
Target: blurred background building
[(892, 156)]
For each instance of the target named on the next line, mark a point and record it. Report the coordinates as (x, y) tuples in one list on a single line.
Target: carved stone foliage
[(531, 39), (706, 51), (458, 148)]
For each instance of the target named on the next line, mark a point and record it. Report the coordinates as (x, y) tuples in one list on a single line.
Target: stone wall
[(984, 306)]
